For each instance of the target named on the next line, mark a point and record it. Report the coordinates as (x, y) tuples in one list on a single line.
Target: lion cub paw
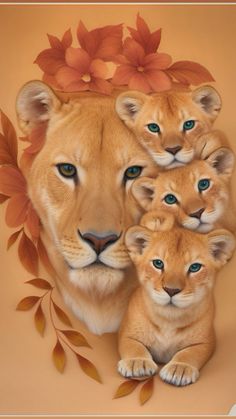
[(179, 374), (138, 368)]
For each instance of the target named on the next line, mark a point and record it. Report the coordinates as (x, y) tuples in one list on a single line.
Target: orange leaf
[(146, 391), (59, 357), (67, 39), (149, 41), (40, 283), (89, 368), (189, 72), (12, 181), (62, 315), (3, 198), (44, 258), (27, 303), (17, 210), (10, 138), (54, 42), (37, 138), (12, 239), (50, 60), (28, 254), (32, 222), (75, 338), (126, 388), (39, 320)]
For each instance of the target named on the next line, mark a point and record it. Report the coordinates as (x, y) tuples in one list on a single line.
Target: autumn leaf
[(59, 357), (126, 388), (50, 60), (88, 368), (189, 72), (44, 258), (75, 338), (28, 254), (62, 315), (146, 391), (8, 142), (12, 181), (3, 198), (27, 303), (39, 320), (12, 239), (40, 283), (149, 41), (32, 222)]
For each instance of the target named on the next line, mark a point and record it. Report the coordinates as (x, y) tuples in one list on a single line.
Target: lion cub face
[(177, 267), (196, 194), (168, 124)]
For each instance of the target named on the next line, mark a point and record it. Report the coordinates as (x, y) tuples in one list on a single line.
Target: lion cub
[(170, 316), (198, 194), (174, 126)]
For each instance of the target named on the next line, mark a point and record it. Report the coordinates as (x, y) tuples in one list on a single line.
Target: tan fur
[(182, 182), (175, 330), (170, 110), (85, 131)]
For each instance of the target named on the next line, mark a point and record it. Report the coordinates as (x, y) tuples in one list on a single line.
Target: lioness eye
[(188, 125), (67, 170), (195, 267), (154, 127), (132, 172), (203, 184), (158, 264), (170, 199)]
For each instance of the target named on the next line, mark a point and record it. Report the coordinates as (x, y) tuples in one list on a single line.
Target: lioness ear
[(222, 160), (143, 191), (34, 104), (221, 244), (128, 104), (208, 99), (136, 239)]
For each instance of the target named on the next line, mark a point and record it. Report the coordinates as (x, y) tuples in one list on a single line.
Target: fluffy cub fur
[(198, 194), (174, 126), (170, 316)]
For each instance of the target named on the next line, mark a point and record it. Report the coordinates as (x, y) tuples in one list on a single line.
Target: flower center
[(141, 69), (86, 78)]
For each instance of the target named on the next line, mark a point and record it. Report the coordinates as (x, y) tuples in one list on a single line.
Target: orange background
[(29, 382)]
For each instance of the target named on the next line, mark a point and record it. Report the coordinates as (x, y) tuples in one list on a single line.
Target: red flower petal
[(189, 72), (50, 60), (139, 82), (158, 80), (101, 86), (77, 86), (11, 181), (123, 75), (67, 75), (67, 39), (98, 69), (134, 52), (157, 61), (51, 80), (17, 210), (78, 59)]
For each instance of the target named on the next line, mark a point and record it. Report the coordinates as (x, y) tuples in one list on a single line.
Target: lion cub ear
[(221, 245), (137, 239), (143, 190), (208, 99), (128, 105), (34, 104), (222, 160)]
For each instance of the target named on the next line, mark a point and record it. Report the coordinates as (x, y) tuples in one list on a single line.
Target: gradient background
[(29, 382)]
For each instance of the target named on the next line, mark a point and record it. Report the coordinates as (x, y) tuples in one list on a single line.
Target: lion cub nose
[(99, 242), (171, 291), (173, 150), (198, 213)]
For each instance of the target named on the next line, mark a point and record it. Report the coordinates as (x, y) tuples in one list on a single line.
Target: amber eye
[(132, 172), (67, 170)]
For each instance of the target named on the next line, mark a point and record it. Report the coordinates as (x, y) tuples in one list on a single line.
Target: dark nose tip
[(171, 291), (99, 243), (174, 150), (198, 213)]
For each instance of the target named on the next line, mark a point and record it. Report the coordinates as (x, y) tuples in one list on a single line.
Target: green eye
[(170, 199), (188, 125), (158, 264), (154, 127), (67, 170), (195, 267), (203, 184), (133, 172)]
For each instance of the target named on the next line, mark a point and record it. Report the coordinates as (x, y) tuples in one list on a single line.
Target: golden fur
[(173, 145), (170, 316), (85, 132)]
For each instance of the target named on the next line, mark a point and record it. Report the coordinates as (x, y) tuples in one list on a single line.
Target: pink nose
[(198, 213), (171, 291), (99, 243), (173, 150)]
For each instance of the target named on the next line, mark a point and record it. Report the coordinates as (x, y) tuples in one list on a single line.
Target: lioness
[(79, 184)]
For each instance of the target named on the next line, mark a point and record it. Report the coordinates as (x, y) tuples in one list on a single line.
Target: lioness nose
[(171, 291), (174, 150), (99, 243), (198, 213)]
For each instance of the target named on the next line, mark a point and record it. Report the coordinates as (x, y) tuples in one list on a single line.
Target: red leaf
[(67, 39), (37, 138), (88, 368), (50, 60), (126, 388), (75, 338), (27, 303), (189, 72), (39, 320), (62, 315), (44, 258), (10, 138), (28, 254), (12, 239), (40, 283), (59, 357), (32, 222), (54, 42), (3, 198), (149, 41), (17, 210), (12, 181), (146, 391)]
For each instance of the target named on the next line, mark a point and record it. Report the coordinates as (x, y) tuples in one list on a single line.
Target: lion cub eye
[(67, 170), (188, 125), (154, 127), (132, 172), (158, 264), (195, 267), (170, 199), (203, 184)]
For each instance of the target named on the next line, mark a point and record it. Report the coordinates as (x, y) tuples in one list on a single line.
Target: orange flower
[(149, 41), (140, 71), (19, 209), (83, 73)]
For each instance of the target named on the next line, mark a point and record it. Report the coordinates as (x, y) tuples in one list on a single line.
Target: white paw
[(137, 367), (179, 373)]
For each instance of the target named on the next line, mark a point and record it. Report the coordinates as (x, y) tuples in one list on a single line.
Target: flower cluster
[(104, 60)]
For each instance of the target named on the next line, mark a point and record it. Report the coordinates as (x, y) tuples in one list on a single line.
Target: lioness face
[(169, 124)]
